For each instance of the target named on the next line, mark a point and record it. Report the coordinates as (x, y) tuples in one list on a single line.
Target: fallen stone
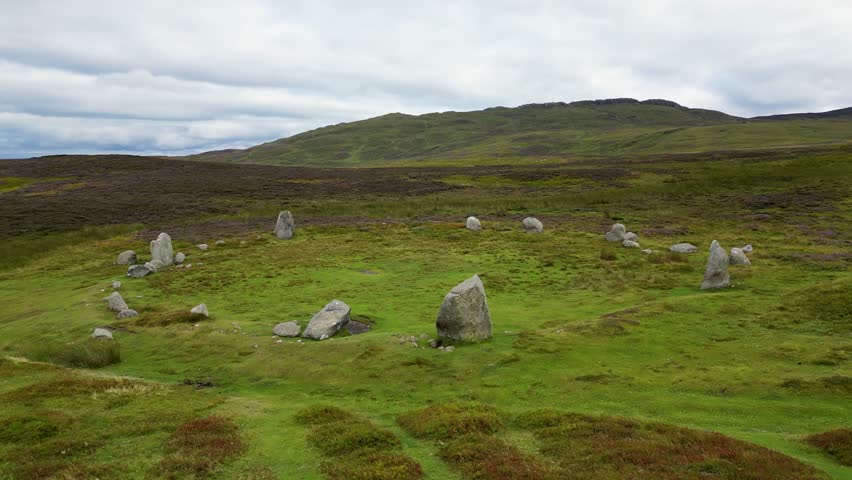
[(284, 226), (154, 265), (738, 257), (161, 250), (116, 285), (716, 273), (683, 248), (464, 313), (138, 271), (328, 321), (202, 246), (631, 236), (180, 258), (286, 329), (102, 333), (127, 313), (615, 233), (647, 251), (532, 225), (473, 224), (200, 309), (629, 244), (116, 303), (127, 257)]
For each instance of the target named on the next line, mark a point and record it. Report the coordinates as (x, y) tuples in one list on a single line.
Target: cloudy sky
[(187, 76)]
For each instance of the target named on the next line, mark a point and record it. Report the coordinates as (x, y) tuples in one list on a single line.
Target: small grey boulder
[(202, 246), (220, 242), (200, 309), (683, 248), (154, 265), (180, 258), (631, 236), (116, 303), (629, 244), (286, 329), (464, 313), (532, 225), (127, 257), (116, 285), (615, 233), (716, 273), (127, 313), (284, 226), (138, 271), (748, 248), (473, 224), (738, 257), (102, 333), (328, 321), (161, 250)]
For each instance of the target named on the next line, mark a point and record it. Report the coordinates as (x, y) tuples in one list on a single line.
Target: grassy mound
[(486, 457), (451, 420), (837, 443), (200, 446), (90, 353)]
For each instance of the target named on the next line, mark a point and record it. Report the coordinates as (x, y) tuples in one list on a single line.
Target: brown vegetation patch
[(836, 443), (486, 457), (161, 319), (450, 420), (200, 446)]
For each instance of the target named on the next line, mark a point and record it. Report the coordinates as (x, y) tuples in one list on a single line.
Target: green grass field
[(594, 347)]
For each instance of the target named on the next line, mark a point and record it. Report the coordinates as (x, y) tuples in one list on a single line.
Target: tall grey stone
[(616, 233), (286, 329), (473, 224), (532, 225), (464, 313), (116, 303), (102, 333), (328, 321), (738, 257), (161, 250), (683, 248), (284, 226), (127, 257), (716, 273)]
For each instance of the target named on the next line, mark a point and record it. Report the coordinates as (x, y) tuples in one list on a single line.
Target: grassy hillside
[(606, 362), (512, 135)]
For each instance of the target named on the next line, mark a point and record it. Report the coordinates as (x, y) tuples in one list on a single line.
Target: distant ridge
[(840, 113)]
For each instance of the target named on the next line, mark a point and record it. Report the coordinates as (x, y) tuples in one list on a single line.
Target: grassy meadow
[(605, 362)]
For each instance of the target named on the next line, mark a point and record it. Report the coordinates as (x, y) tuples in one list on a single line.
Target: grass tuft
[(90, 353), (377, 466), (200, 446), (836, 443), (323, 414), (449, 420), (26, 429), (485, 457)]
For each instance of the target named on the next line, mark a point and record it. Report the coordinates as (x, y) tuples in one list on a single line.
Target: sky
[(176, 77)]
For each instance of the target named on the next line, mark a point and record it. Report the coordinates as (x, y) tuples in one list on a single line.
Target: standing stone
[(629, 244), (286, 329), (161, 250), (200, 309), (683, 248), (473, 224), (464, 313), (716, 273), (328, 321), (738, 257), (631, 236), (284, 226), (138, 271), (202, 246), (180, 258), (127, 257), (127, 313), (615, 233), (532, 225), (102, 333), (116, 285), (116, 303)]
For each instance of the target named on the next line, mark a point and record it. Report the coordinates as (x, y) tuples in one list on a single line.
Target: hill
[(512, 135)]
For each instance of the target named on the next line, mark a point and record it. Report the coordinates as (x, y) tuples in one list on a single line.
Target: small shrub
[(837, 443), (450, 420), (339, 438), (608, 255), (322, 414), (380, 466), (90, 353), (485, 457), (200, 446)]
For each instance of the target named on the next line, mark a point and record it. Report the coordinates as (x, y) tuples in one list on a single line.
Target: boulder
[(532, 225), (220, 242), (127, 313), (286, 329), (464, 313), (615, 233), (748, 248), (180, 258), (631, 236), (284, 226), (116, 285), (200, 309), (716, 273), (161, 250), (629, 244), (116, 303), (473, 224), (127, 257), (683, 248), (102, 333), (738, 257), (328, 321), (138, 271), (202, 246), (154, 265)]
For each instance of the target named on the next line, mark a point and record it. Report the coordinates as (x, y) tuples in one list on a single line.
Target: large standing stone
[(473, 224), (161, 250), (116, 303), (464, 313), (738, 257), (532, 225), (328, 321), (286, 329), (716, 273), (138, 271), (616, 233), (127, 257), (683, 248), (102, 333), (284, 226), (200, 309)]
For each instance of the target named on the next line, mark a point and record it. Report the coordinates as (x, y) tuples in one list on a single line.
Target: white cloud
[(178, 76)]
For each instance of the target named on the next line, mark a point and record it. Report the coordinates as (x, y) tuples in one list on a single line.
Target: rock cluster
[(618, 233), (716, 272), (464, 313)]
